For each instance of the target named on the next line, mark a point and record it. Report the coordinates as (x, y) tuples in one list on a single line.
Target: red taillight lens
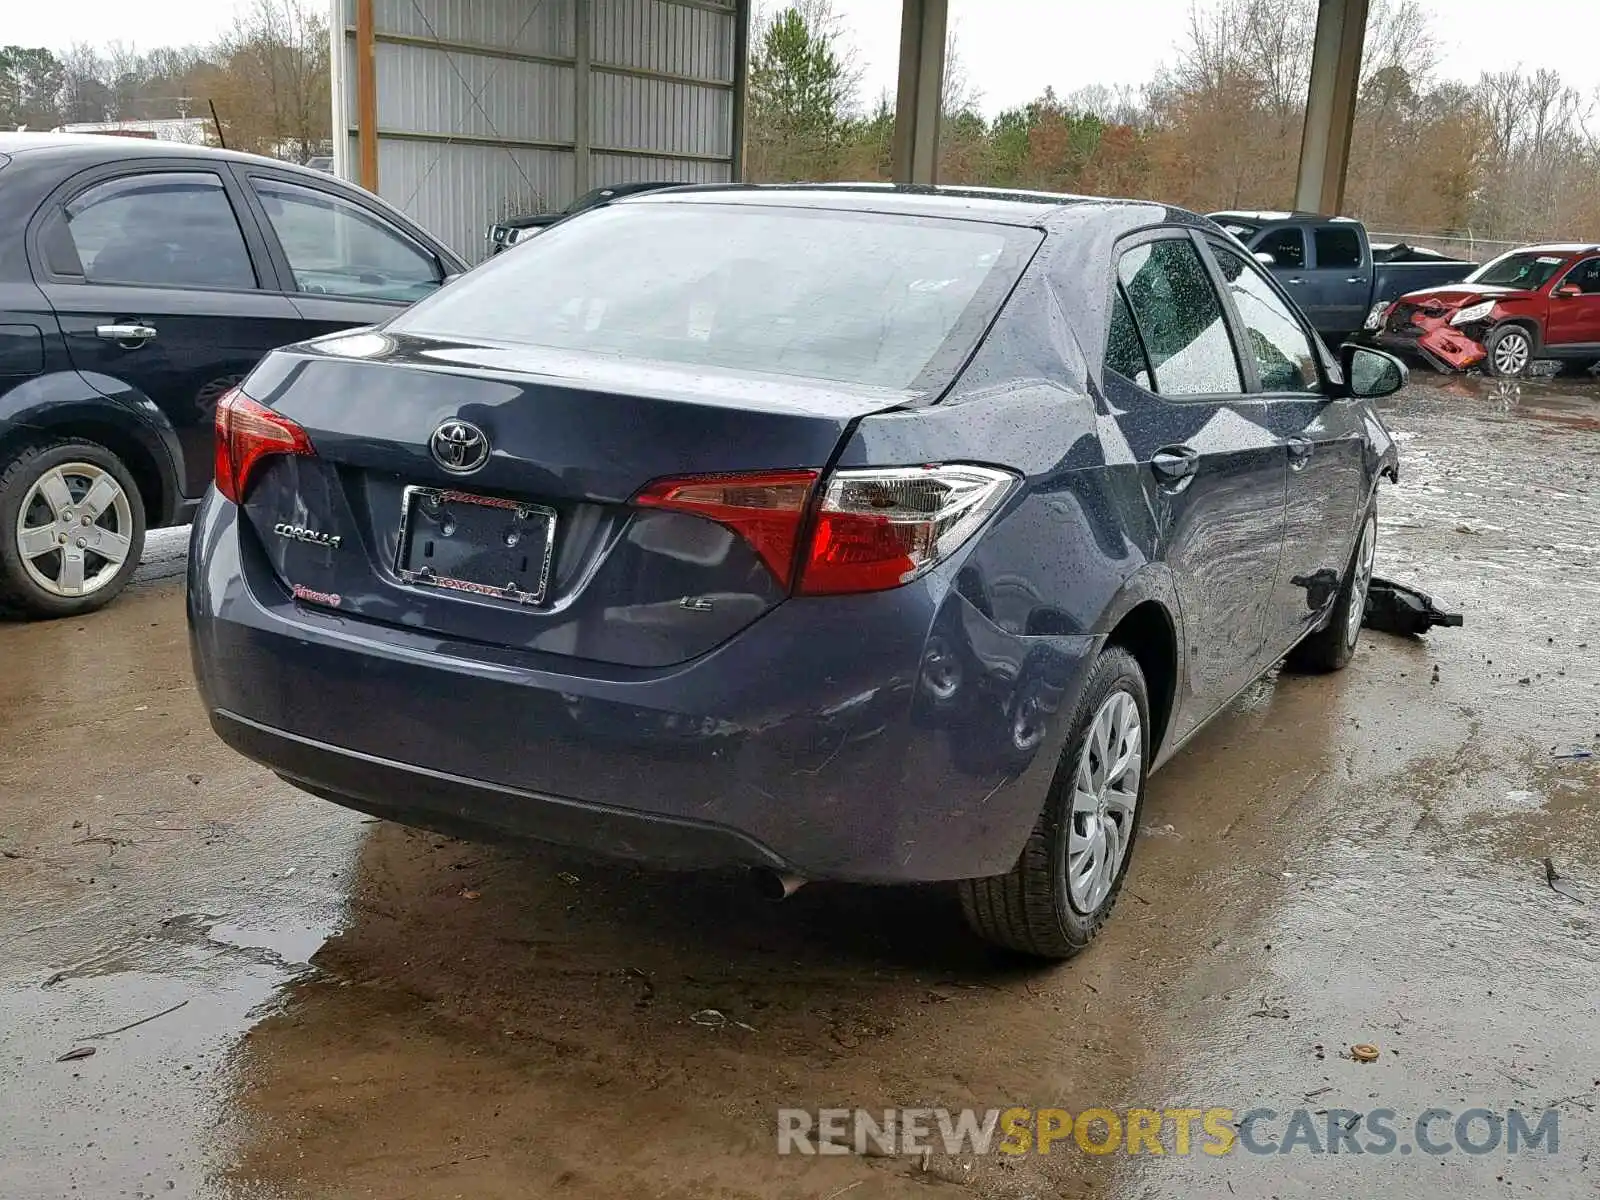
[(766, 508), (879, 528), (248, 432)]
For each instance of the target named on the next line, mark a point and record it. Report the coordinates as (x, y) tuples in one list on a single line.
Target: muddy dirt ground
[(371, 1011)]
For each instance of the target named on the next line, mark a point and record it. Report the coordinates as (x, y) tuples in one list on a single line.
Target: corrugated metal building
[(461, 112)]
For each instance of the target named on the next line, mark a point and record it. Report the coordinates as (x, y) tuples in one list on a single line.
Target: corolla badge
[(458, 446), (299, 533)]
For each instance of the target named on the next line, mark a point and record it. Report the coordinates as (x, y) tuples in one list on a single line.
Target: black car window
[(853, 297), (1124, 352), (1180, 318), (166, 229), (1285, 359), (1287, 247), (1585, 277), (1337, 246), (337, 248)]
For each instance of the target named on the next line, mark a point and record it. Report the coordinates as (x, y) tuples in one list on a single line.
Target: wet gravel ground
[(361, 1010)]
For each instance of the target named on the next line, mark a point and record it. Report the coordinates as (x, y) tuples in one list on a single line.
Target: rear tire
[(1333, 646), (1058, 896), (1510, 351), (72, 527)]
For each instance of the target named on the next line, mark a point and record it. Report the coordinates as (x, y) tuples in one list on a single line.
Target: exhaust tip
[(778, 885)]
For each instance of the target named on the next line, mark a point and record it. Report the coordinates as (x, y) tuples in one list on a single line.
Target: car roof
[(1557, 248), (996, 205), (98, 147), (1269, 218)]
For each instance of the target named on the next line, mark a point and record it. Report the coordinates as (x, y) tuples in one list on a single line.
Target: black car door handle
[(1300, 450), (1175, 467)]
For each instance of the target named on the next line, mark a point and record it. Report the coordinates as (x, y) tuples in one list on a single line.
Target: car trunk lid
[(551, 553)]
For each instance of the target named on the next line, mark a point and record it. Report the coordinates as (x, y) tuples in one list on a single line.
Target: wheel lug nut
[(88, 520), (82, 542)]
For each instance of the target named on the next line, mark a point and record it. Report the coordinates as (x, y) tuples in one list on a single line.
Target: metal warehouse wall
[(488, 108)]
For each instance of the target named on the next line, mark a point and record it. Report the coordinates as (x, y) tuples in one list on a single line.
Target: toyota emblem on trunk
[(460, 447)]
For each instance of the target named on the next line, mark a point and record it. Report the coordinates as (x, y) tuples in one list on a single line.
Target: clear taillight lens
[(246, 433), (879, 528)]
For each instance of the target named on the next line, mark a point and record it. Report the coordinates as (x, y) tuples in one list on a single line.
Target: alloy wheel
[(74, 530), (1105, 798), (1366, 554), (1511, 354)]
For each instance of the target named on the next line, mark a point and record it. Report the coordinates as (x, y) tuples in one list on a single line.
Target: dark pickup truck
[(1331, 268)]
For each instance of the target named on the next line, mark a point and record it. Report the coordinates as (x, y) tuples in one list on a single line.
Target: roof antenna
[(221, 141)]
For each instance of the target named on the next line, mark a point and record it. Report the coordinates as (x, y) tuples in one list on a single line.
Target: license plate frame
[(533, 516)]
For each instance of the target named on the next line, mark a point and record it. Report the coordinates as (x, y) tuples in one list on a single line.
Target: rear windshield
[(857, 298), (1521, 270)]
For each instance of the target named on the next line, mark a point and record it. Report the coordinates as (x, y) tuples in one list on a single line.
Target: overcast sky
[(1012, 48)]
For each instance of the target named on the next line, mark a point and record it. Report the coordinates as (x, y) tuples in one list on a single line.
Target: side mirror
[(1370, 373), (1569, 291), (1265, 259)]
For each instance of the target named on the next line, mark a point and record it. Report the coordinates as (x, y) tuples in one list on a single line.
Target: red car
[(1539, 302)]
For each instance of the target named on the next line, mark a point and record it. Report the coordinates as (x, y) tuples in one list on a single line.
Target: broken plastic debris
[(568, 878), (469, 894), (1364, 1052), (78, 1052), (710, 1018), (1394, 608)]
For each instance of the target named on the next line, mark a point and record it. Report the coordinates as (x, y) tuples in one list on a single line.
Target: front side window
[(1338, 246), (164, 229), (1285, 359), (1287, 247), (337, 248), (1180, 317), (1585, 277), (858, 298)]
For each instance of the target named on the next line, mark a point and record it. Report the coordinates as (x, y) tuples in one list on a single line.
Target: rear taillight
[(766, 508), (248, 432), (871, 529), (880, 528)]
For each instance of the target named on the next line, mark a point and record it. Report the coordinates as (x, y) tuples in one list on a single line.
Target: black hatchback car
[(139, 281), (841, 533)]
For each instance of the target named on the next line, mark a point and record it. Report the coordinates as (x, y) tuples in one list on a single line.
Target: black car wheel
[(1333, 646), (1067, 879), (1510, 350), (72, 527)]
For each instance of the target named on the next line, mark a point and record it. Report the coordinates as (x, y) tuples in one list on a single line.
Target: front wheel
[(71, 528), (1066, 881), (1510, 350), (1333, 646)]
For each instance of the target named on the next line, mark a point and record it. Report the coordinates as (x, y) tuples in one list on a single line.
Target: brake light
[(880, 528), (246, 433), (766, 508)]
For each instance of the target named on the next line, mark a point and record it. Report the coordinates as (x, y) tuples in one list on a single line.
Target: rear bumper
[(811, 742)]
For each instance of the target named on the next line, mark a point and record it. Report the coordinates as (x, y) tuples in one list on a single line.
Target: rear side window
[(168, 229), (1338, 246), (1124, 352), (1180, 318), (1585, 277), (336, 248), (1287, 247), (856, 298)]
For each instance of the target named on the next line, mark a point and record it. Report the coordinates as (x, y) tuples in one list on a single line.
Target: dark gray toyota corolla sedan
[(840, 533)]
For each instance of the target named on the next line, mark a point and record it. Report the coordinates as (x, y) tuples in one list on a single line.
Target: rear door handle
[(1175, 467), (1300, 451), (1295, 282), (1356, 279), (127, 332)]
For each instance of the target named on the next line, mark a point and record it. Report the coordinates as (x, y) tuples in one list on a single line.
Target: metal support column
[(741, 85), (917, 109), (366, 96), (582, 32), (1331, 105)]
